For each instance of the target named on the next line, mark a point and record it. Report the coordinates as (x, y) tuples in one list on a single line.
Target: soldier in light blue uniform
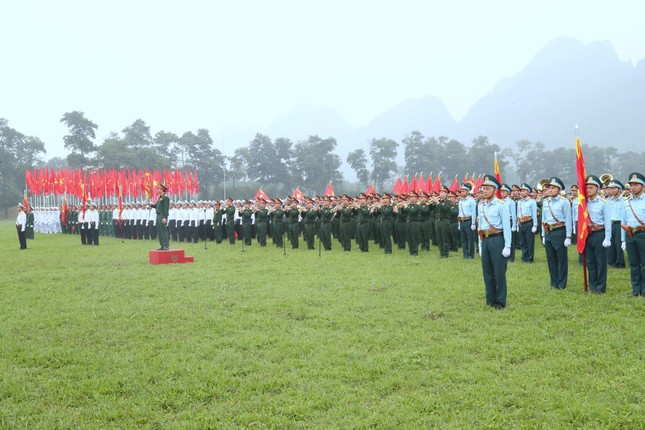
[(494, 223), (616, 203), (466, 217), (527, 222), (505, 192), (633, 234), (556, 232), (599, 238)]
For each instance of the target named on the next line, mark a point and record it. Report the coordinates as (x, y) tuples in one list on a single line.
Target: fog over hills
[(566, 83)]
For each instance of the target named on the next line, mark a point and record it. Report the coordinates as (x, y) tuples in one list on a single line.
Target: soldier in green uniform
[(162, 207), (326, 215), (453, 217), (246, 214), (277, 223), (362, 223), (229, 211), (400, 227), (218, 213), (426, 216), (293, 225), (309, 216), (442, 222), (413, 212), (29, 212), (261, 221), (346, 213), (386, 214)]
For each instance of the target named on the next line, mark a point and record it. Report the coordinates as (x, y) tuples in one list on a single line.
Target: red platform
[(169, 257)]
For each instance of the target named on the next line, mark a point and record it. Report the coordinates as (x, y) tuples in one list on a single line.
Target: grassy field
[(97, 338)]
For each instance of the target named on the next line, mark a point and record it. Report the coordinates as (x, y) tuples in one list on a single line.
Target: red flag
[(437, 184), (120, 204), (370, 190), (498, 176), (25, 203), (413, 184), (421, 184), (329, 191), (428, 186), (63, 214), (396, 189), (195, 182), (455, 184), (405, 188), (583, 215), (261, 195), (297, 194)]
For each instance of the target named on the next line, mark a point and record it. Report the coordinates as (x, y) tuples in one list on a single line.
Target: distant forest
[(278, 164)]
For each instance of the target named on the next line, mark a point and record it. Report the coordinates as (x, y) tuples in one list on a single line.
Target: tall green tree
[(238, 169), (114, 152), (383, 153), (317, 164), (416, 154), (79, 140), (357, 160), (201, 155)]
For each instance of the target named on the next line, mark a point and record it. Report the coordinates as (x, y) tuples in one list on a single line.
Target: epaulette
[(501, 200), (602, 199), (563, 198)]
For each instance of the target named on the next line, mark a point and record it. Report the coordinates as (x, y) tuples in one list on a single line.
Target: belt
[(631, 231), (491, 232), (551, 227), (595, 228), (464, 218), (525, 219), (615, 222)]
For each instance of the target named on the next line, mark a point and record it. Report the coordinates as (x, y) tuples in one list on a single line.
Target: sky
[(181, 66)]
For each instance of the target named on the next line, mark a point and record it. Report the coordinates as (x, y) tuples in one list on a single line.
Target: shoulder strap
[(551, 210), (629, 202)]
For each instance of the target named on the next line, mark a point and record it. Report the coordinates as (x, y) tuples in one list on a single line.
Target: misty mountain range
[(566, 83)]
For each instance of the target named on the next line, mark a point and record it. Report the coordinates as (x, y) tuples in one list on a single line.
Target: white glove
[(567, 242), (606, 243), (506, 251), (513, 228), (623, 246), (543, 241), (480, 250), (533, 229), (473, 227)]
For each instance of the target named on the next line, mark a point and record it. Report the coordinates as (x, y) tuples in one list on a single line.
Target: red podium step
[(169, 257)]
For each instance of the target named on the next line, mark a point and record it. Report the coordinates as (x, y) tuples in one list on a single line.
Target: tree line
[(279, 164)]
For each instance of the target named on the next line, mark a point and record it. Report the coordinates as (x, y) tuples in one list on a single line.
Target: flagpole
[(581, 192)]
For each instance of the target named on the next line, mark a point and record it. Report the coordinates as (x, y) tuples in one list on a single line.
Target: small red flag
[(329, 191)]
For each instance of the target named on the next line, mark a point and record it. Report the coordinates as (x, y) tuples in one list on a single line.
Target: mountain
[(306, 120), (427, 115), (565, 84)]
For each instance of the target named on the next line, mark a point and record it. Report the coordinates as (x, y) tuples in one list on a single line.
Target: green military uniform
[(453, 217), (386, 214), (400, 227), (346, 215), (293, 227), (246, 214), (162, 207), (363, 227), (326, 216), (30, 224), (413, 212), (217, 223), (277, 226), (261, 220), (442, 226), (230, 223), (309, 217)]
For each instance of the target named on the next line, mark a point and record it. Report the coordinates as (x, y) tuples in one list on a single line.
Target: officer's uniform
[(494, 229), (598, 239), (527, 222), (615, 253), (556, 235), (467, 215), (21, 226), (633, 236)]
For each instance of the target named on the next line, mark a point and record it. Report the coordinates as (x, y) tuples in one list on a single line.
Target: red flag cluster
[(429, 185), (99, 183)]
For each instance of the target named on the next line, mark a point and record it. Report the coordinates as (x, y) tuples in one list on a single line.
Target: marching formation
[(495, 220)]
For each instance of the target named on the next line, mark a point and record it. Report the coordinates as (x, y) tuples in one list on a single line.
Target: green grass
[(97, 338)]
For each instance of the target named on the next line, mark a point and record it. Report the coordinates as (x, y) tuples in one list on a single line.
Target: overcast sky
[(184, 65)]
